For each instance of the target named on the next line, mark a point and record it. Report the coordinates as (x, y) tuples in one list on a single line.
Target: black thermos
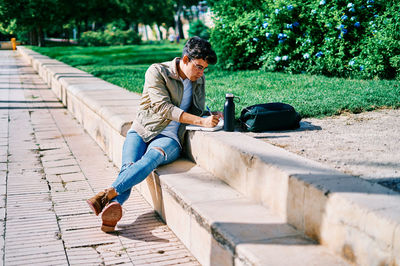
[(229, 113)]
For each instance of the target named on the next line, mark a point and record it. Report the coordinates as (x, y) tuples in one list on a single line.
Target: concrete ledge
[(354, 218), (221, 226), (105, 110)]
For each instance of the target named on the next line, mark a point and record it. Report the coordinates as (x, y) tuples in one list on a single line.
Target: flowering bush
[(347, 38)]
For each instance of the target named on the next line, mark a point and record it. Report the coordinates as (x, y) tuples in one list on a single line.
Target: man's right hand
[(210, 121)]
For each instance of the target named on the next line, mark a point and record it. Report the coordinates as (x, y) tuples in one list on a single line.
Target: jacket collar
[(174, 71)]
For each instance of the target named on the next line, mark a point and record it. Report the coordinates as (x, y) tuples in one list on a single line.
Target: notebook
[(219, 126)]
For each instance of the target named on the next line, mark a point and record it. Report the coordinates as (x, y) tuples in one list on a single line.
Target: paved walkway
[(48, 167)]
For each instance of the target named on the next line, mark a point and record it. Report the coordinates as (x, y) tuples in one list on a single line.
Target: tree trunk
[(67, 36), (178, 23), (180, 27), (160, 35), (79, 30), (33, 38), (135, 27), (42, 43), (86, 24), (145, 31)]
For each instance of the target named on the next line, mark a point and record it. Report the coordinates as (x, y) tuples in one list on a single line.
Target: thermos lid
[(229, 95)]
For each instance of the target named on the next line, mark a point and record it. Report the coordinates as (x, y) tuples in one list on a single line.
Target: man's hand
[(210, 121)]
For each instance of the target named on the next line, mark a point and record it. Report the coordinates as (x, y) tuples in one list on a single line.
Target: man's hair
[(198, 48)]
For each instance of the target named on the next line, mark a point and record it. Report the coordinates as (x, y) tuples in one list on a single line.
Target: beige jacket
[(161, 98)]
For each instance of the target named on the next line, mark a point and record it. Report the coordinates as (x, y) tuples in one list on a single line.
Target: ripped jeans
[(139, 159)]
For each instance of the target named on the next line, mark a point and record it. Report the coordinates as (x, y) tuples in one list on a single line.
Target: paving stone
[(57, 187), (2, 213), (71, 208), (79, 221), (163, 258), (57, 152), (55, 145), (3, 167), (84, 256), (2, 227), (3, 177), (39, 188), (32, 199), (31, 229), (78, 186), (54, 178), (32, 206), (52, 164), (35, 238), (62, 170), (70, 196), (88, 237), (21, 244), (73, 177), (57, 157), (56, 260), (113, 254), (3, 158)]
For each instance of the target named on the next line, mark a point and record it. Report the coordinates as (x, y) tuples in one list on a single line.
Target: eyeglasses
[(199, 67)]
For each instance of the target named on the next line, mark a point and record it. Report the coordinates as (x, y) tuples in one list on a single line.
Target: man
[(173, 95)]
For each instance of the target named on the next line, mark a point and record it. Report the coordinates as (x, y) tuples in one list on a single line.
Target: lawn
[(312, 96)]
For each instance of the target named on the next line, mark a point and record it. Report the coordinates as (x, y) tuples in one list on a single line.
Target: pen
[(208, 110)]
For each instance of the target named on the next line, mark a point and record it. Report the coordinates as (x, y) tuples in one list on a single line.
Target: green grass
[(312, 96)]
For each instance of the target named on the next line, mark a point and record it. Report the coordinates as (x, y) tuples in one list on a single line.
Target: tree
[(179, 8), (157, 12), (37, 16), (30, 16)]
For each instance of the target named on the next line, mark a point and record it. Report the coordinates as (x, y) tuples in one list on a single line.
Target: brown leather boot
[(111, 216), (99, 201)]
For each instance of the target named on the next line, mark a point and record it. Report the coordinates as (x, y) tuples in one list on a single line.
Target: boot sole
[(111, 215)]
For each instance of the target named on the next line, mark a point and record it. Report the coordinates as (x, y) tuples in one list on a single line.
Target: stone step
[(355, 218), (221, 226)]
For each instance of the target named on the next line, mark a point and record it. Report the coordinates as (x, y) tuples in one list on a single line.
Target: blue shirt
[(172, 129)]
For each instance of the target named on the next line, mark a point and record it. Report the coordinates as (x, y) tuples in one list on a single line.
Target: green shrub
[(92, 38), (197, 28), (110, 36), (380, 53), (358, 38)]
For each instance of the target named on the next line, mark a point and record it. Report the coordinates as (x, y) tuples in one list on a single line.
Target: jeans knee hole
[(160, 150)]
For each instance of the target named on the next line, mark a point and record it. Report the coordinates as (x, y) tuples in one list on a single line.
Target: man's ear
[(185, 59)]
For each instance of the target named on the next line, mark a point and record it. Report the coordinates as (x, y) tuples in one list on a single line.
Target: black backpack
[(269, 117)]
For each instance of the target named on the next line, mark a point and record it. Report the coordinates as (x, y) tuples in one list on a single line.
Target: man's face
[(194, 68)]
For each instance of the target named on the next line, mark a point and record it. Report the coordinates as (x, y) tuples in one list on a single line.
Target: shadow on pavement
[(142, 228)]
